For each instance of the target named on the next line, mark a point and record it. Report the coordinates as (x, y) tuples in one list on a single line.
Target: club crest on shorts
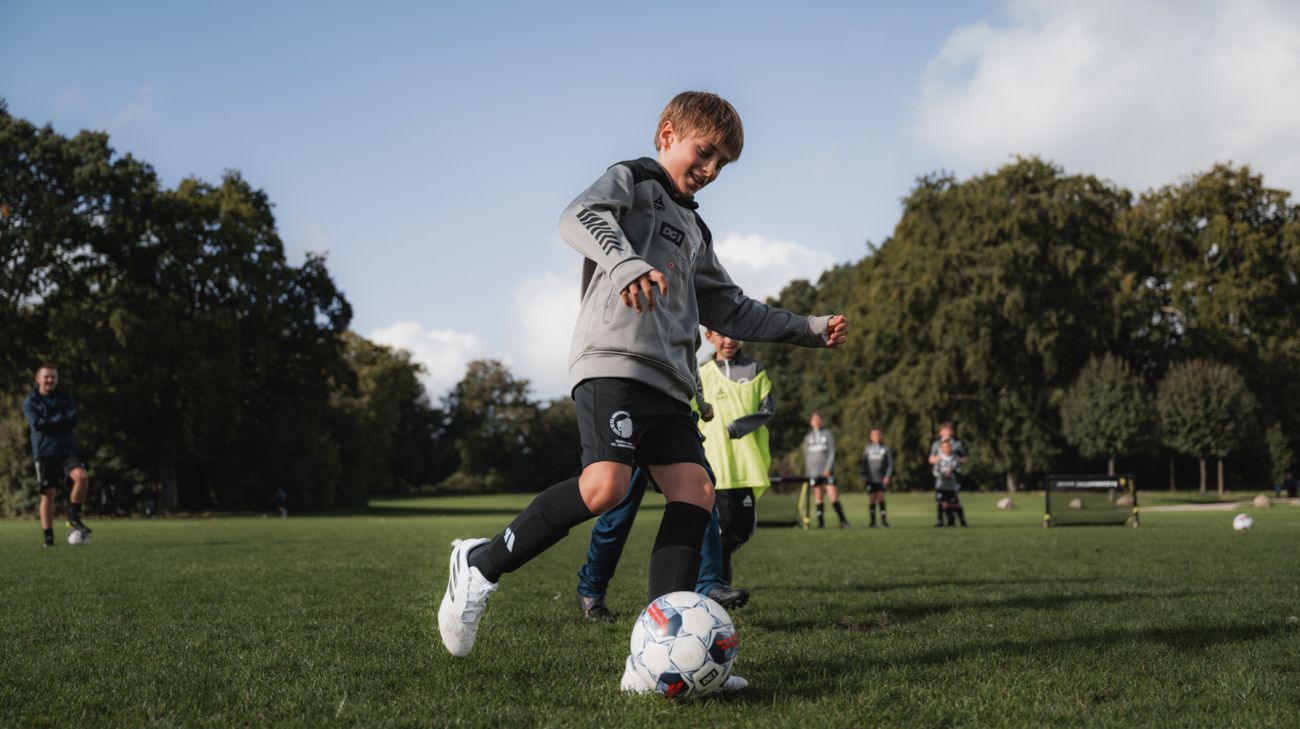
[(621, 423)]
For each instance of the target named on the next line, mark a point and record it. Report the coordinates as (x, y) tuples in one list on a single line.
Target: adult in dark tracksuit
[(877, 470), (52, 417)]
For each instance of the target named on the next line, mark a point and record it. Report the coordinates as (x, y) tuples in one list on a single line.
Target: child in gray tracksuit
[(650, 278), (947, 491)]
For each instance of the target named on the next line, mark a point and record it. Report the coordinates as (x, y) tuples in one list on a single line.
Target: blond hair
[(703, 114)]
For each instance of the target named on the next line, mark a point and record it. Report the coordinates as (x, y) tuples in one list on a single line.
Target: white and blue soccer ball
[(684, 645), (1242, 522), (76, 536)]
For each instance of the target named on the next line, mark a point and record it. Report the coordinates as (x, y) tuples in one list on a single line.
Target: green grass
[(319, 621)]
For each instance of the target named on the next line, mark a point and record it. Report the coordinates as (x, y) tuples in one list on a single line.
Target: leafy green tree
[(1280, 453), (1107, 412), (1224, 284), (1206, 411), (982, 305)]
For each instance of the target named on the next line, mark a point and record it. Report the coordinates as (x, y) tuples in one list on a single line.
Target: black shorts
[(945, 496), (822, 480), (875, 487), (52, 471), (632, 423)]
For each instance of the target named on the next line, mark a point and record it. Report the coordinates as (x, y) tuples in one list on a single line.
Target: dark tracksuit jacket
[(629, 221), (51, 419)]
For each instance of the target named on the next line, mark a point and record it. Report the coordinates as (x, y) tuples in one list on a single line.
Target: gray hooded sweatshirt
[(629, 221)]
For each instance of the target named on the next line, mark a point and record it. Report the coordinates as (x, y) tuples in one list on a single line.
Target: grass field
[(330, 620)]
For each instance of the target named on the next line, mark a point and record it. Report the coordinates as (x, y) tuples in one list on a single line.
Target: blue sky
[(429, 147)]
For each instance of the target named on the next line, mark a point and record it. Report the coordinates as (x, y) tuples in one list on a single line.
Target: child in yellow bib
[(736, 439)]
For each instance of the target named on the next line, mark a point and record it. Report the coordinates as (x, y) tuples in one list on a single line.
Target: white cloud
[(546, 306), (762, 267), (1142, 93), (444, 353)]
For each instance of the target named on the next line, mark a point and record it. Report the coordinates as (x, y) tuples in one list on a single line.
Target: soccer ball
[(76, 536), (1242, 522), (684, 644)]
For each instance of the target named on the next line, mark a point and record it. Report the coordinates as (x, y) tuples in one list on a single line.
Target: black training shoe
[(729, 597), (74, 522), (49, 541), (593, 608)]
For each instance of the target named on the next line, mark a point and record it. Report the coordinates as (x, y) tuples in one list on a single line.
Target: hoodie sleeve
[(592, 224), (725, 308)]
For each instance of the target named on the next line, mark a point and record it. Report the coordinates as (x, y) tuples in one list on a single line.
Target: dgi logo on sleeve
[(621, 423)]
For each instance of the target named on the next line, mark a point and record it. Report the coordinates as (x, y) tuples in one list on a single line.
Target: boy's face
[(725, 347), (691, 162), (815, 421), (46, 380), (945, 434), (946, 447), (875, 436)]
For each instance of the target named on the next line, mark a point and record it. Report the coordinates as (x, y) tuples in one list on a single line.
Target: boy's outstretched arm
[(725, 308)]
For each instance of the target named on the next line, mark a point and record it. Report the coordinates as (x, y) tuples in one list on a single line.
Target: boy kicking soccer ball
[(650, 278)]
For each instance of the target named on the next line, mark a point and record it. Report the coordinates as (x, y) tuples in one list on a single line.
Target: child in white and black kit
[(947, 491)]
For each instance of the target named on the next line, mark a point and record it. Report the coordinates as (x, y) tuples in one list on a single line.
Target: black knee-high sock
[(938, 512), (675, 561), (961, 514), (871, 509), (821, 515), (882, 512), (839, 511), (544, 522)]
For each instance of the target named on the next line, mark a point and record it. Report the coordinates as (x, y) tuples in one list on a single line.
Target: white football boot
[(734, 683), (462, 604)]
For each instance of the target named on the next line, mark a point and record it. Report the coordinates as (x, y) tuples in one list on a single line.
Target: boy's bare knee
[(601, 491)]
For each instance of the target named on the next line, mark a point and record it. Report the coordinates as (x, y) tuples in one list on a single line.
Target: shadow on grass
[(887, 616), (858, 588), (805, 675), (403, 511)]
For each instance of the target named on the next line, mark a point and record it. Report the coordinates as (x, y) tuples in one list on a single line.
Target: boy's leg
[(884, 519), (938, 508), (712, 570), (958, 508), (675, 561), (834, 492), (821, 510), (871, 504), (608, 537), (737, 519), (47, 516), (80, 484)]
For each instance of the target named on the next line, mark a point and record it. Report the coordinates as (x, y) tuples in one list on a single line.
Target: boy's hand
[(837, 331), (644, 286)]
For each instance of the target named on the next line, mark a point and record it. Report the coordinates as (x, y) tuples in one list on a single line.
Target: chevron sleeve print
[(592, 224)]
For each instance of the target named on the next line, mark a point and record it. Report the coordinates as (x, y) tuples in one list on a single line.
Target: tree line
[(1061, 321), (207, 367), (1064, 322)]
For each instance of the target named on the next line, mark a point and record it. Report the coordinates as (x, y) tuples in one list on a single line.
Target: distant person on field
[(52, 418), (946, 433), (877, 470), (947, 490), (1290, 484), (819, 467), (282, 502), (736, 445)]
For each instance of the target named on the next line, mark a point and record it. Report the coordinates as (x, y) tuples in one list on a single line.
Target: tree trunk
[(1110, 466), (167, 476), (1172, 485), (1202, 476), (1011, 482), (1222, 491)]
